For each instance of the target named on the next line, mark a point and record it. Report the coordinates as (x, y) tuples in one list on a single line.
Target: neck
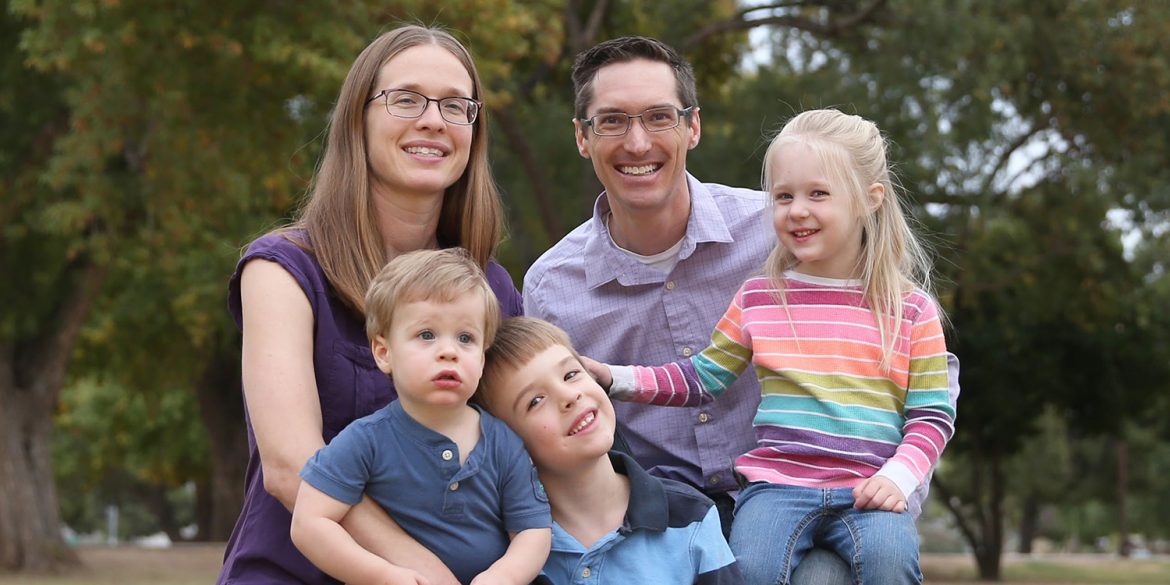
[(407, 224), (445, 419), (589, 502), (647, 234)]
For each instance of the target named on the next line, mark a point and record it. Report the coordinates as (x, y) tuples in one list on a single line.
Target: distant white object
[(157, 540), (112, 525), (189, 531)]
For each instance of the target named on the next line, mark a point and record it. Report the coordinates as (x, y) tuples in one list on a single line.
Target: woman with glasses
[(405, 168)]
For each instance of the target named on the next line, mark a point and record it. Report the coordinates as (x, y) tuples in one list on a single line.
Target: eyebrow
[(615, 110), (448, 91), (529, 388)]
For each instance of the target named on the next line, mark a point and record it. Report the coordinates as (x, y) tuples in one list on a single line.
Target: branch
[(43, 372), (957, 512), (740, 21), (1017, 144), (519, 145)]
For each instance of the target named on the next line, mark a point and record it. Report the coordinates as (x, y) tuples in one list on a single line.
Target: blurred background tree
[(142, 146)]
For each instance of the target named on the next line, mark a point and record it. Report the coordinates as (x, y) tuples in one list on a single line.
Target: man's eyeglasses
[(653, 120), (405, 103)]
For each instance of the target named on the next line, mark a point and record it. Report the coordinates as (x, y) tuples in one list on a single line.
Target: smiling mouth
[(584, 422), (804, 233), (638, 170), (424, 151)]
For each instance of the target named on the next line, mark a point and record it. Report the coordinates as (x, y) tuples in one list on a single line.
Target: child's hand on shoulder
[(879, 493), (599, 371)]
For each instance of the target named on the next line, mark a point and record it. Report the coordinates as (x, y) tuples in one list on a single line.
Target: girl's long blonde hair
[(893, 261), (339, 215)]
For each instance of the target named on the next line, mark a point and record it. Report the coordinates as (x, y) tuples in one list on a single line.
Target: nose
[(569, 399), (798, 208), (637, 138), (447, 351), (430, 118)]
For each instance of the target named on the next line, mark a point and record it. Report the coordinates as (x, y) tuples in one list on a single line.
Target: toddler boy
[(453, 477)]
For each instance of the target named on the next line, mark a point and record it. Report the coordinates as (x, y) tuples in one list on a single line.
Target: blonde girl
[(847, 342)]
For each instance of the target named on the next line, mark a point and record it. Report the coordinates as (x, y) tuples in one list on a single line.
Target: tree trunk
[(1124, 547), (32, 373), (1029, 523), (30, 523), (988, 554), (221, 407)]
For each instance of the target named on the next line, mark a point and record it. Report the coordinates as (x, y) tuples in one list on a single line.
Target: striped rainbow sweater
[(828, 416)]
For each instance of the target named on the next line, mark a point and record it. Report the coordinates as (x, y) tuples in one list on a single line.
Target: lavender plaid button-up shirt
[(618, 310)]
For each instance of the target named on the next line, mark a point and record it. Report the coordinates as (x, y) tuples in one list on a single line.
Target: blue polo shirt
[(671, 536), (461, 513)]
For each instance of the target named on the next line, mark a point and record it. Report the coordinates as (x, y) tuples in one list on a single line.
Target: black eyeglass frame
[(385, 96), (682, 113)]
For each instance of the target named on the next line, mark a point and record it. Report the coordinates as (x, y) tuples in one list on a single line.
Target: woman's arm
[(280, 390), (279, 385)]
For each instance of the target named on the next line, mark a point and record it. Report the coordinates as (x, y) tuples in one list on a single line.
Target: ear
[(696, 129), (381, 350), (582, 139), (874, 196)]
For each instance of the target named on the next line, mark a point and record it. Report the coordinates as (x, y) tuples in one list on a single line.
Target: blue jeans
[(776, 525)]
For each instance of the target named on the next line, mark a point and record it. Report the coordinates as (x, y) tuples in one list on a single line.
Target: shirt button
[(687, 351), (670, 285), (585, 573), (704, 417), (454, 485), (714, 479), (447, 454)]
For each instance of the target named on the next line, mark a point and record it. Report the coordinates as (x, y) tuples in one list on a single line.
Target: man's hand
[(879, 493), (599, 371)]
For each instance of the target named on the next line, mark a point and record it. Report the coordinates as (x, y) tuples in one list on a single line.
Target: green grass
[(1053, 570), (199, 565)]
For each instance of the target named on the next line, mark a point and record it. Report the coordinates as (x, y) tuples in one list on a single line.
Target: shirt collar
[(647, 509), (606, 262)]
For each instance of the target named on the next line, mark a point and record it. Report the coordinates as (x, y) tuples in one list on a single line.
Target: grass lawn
[(198, 564)]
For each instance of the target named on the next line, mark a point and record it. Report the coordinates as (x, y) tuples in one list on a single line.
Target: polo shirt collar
[(647, 509), (605, 262)]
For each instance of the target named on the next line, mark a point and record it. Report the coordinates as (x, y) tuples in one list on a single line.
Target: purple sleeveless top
[(350, 386)]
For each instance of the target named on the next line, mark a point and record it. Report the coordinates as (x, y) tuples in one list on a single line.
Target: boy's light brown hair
[(427, 275), (518, 341)]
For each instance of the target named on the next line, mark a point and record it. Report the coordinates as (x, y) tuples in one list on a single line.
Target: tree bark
[(1124, 547), (1029, 522), (220, 395), (32, 373)]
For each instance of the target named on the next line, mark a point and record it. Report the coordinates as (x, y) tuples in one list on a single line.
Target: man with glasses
[(647, 277)]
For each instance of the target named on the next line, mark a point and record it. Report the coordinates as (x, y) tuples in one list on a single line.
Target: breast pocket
[(356, 388)]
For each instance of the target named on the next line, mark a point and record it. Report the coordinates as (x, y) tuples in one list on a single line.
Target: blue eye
[(427, 335), (465, 338), (536, 400)]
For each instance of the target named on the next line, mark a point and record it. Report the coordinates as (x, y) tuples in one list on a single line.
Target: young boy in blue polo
[(613, 523), (453, 477)]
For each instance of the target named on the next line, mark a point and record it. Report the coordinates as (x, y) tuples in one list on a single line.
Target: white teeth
[(424, 150), (584, 423), (803, 233), (642, 170)]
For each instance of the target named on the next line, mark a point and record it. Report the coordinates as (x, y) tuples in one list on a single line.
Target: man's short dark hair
[(625, 49)]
